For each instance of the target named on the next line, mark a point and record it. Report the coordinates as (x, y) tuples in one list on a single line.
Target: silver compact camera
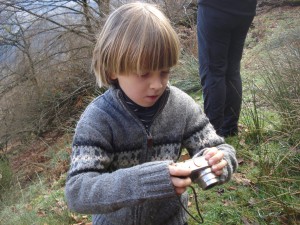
[(201, 172)]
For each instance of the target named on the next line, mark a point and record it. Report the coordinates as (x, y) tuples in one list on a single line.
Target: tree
[(45, 48)]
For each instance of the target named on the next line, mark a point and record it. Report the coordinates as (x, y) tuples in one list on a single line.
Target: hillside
[(39, 163)]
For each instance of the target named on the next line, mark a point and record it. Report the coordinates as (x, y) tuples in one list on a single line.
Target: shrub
[(281, 76), (5, 176), (186, 75), (278, 157)]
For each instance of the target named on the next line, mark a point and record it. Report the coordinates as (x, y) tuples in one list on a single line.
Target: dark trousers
[(221, 38)]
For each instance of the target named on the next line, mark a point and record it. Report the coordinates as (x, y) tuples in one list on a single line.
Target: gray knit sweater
[(120, 173)]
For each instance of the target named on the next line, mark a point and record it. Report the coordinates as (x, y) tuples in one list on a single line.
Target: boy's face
[(144, 89)]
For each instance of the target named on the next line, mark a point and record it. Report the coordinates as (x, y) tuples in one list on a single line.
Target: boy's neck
[(145, 114)]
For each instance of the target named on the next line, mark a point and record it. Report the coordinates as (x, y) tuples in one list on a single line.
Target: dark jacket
[(237, 7)]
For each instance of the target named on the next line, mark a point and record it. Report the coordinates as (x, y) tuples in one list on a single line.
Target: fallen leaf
[(41, 213), (231, 188), (252, 201), (241, 179), (184, 157), (221, 191), (226, 202), (246, 221), (240, 161)]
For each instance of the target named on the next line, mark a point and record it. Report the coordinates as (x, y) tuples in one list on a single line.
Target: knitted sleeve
[(91, 188), (200, 134)]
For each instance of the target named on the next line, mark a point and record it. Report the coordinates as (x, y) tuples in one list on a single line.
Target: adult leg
[(233, 76), (213, 30)]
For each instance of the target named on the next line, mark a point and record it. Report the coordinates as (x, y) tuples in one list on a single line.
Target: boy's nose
[(156, 83)]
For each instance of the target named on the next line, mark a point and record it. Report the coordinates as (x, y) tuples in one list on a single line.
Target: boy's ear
[(113, 76)]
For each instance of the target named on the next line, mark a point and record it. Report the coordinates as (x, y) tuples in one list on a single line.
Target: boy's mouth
[(153, 97)]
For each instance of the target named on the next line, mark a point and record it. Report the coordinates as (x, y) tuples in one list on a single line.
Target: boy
[(127, 141)]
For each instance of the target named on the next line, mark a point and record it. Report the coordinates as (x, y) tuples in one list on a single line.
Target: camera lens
[(206, 179)]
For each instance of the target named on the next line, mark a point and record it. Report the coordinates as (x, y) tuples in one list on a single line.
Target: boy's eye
[(144, 74), (165, 73), (147, 74)]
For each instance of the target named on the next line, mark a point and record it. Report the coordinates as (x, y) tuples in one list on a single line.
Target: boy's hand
[(180, 177), (180, 173), (215, 159)]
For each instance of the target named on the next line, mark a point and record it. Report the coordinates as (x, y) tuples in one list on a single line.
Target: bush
[(186, 76), (281, 76), (278, 156), (5, 176)]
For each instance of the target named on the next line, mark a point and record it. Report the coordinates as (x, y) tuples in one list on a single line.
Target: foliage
[(45, 57), (282, 81), (6, 175), (46, 48), (185, 76)]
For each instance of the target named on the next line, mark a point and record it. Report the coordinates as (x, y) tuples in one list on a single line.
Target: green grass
[(220, 205), (6, 175), (36, 204), (265, 189)]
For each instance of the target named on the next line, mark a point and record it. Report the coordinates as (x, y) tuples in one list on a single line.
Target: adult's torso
[(237, 7)]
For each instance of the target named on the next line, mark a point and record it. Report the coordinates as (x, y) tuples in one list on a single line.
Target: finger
[(216, 158), (179, 171), (219, 166), (210, 152), (180, 191), (181, 182), (218, 173)]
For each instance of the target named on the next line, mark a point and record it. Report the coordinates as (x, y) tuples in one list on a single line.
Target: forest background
[(46, 82)]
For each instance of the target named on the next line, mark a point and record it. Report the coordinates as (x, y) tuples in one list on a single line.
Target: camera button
[(198, 161)]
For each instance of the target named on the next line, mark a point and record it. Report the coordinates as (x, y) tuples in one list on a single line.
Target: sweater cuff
[(155, 180)]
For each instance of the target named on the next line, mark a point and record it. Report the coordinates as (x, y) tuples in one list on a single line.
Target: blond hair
[(137, 37)]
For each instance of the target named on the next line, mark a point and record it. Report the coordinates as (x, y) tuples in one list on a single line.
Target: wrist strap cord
[(197, 207)]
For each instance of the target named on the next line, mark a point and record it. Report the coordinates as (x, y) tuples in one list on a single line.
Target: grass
[(220, 204), (6, 175), (185, 75), (41, 199), (265, 189), (36, 204)]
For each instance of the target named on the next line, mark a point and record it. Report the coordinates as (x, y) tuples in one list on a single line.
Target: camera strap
[(197, 207)]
